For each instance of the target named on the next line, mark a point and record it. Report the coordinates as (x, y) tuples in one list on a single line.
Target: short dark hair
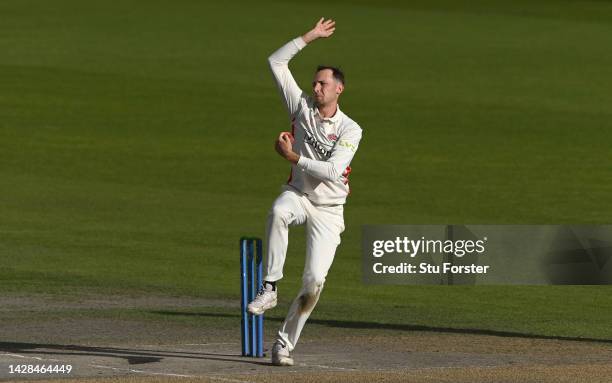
[(337, 73)]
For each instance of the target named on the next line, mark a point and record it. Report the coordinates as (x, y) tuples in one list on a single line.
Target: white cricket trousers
[(324, 224)]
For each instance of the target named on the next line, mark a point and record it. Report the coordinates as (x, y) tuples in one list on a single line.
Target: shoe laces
[(262, 291)]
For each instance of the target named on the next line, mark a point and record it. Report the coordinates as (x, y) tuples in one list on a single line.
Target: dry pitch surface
[(128, 350)]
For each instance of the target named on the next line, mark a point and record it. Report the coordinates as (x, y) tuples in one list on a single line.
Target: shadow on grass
[(396, 327), (132, 356)]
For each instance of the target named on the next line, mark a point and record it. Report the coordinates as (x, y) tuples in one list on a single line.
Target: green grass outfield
[(136, 144)]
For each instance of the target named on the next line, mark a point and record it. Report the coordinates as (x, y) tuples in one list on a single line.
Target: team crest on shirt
[(332, 137)]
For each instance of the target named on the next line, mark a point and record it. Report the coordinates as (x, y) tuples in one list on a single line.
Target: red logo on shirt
[(332, 137)]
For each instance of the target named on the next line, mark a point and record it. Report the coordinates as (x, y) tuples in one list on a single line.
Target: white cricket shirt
[(326, 145)]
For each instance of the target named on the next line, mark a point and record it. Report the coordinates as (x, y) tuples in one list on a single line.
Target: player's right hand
[(324, 28)]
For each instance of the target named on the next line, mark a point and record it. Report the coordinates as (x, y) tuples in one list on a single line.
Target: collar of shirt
[(333, 119)]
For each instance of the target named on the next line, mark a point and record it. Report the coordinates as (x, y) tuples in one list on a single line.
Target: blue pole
[(252, 289), (260, 331), (243, 295)]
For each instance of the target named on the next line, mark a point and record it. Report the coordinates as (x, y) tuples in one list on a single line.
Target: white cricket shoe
[(281, 355), (265, 300)]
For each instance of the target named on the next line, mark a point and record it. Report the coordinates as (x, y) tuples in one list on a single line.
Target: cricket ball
[(289, 135)]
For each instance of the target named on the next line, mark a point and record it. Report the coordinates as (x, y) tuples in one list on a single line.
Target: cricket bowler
[(320, 148)]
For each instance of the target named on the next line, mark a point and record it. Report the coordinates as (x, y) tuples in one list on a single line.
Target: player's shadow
[(132, 356), (398, 327)]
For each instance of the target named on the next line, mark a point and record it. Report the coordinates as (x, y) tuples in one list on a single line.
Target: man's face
[(325, 88)]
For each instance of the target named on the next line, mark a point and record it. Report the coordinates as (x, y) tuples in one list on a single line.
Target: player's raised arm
[(279, 63), (323, 28)]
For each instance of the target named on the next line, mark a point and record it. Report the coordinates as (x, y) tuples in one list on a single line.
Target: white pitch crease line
[(327, 367), (455, 367), (100, 366), (226, 379), (206, 344), (32, 357), (433, 368), (143, 372), (187, 344)]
